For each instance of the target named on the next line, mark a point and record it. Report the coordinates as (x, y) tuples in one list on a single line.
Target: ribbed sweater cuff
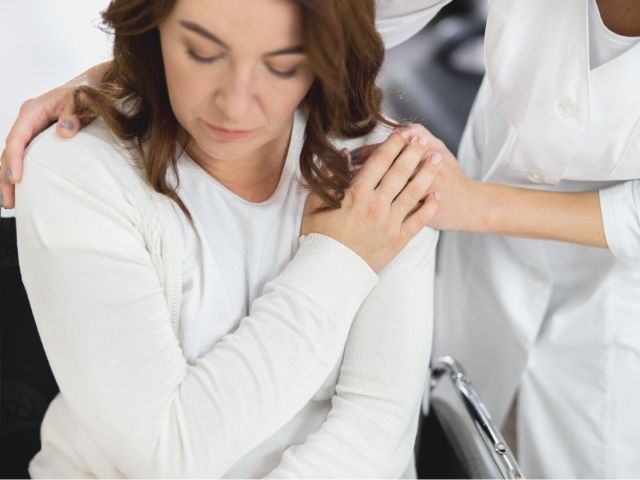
[(330, 274)]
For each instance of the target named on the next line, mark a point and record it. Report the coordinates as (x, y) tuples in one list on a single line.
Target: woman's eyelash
[(282, 74), (286, 74), (200, 59)]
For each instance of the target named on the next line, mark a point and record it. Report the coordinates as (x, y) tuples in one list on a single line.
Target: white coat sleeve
[(399, 20), (103, 319), (371, 427), (620, 209)]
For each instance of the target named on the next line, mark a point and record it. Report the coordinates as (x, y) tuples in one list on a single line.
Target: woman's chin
[(225, 151)]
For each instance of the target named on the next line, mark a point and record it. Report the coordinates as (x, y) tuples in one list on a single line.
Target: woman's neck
[(254, 178)]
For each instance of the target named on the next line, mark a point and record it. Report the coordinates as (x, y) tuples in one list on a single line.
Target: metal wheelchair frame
[(470, 451)]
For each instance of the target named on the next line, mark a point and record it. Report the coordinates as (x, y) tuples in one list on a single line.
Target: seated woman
[(191, 328)]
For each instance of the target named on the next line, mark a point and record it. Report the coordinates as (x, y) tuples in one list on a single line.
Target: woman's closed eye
[(198, 57), (282, 72)]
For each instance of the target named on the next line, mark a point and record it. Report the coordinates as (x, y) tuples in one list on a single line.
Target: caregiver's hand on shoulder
[(35, 116), (462, 202), (386, 204)]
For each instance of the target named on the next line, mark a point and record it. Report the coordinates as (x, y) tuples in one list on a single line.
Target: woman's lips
[(225, 134)]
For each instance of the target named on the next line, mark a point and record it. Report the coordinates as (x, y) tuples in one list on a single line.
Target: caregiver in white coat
[(551, 153), (556, 323)]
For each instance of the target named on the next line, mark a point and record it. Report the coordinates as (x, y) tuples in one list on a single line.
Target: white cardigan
[(101, 254)]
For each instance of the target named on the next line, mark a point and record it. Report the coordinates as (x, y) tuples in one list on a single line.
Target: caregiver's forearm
[(568, 217)]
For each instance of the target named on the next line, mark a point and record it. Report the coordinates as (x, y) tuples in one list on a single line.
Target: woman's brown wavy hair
[(344, 51)]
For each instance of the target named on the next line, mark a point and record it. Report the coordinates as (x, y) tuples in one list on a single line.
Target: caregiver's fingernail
[(67, 125)]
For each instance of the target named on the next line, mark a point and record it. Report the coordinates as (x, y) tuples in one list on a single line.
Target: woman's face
[(236, 71)]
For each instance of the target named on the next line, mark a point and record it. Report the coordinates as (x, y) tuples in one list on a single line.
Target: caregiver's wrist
[(482, 212), (491, 201)]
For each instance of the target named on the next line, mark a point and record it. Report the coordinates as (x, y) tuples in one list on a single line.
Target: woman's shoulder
[(92, 156)]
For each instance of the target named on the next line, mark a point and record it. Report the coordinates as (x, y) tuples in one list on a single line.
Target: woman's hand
[(462, 203), (386, 204), (35, 116)]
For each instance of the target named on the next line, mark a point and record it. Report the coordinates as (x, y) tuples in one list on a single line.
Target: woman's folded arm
[(370, 429), (102, 314)]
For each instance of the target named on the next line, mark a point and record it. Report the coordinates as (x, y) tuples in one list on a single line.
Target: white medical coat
[(558, 323)]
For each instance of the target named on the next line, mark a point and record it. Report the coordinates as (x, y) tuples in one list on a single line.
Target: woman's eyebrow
[(195, 28), (297, 50)]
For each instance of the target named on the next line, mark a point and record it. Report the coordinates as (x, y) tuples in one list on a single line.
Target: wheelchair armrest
[(453, 424)]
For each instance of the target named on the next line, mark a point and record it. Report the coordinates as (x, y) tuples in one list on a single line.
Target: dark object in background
[(435, 457), (433, 77), (467, 424), (27, 385)]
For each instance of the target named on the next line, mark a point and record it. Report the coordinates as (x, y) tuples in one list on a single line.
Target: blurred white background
[(45, 43)]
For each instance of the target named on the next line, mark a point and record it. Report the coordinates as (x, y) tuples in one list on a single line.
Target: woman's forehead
[(269, 24)]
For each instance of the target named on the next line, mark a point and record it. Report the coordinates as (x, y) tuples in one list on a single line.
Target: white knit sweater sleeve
[(371, 427), (104, 322)]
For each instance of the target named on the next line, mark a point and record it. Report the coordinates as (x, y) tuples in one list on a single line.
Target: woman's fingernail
[(67, 125), (10, 175), (424, 140), (437, 196), (436, 158), (405, 134)]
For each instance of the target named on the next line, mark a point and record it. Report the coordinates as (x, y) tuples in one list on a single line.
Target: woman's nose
[(235, 96)]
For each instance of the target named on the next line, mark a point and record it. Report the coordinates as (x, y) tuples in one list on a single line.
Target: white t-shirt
[(232, 248)]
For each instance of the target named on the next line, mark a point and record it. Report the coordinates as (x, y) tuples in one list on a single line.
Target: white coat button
[(567, 108)]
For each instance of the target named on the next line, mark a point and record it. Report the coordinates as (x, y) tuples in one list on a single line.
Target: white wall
[(43, 43)]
